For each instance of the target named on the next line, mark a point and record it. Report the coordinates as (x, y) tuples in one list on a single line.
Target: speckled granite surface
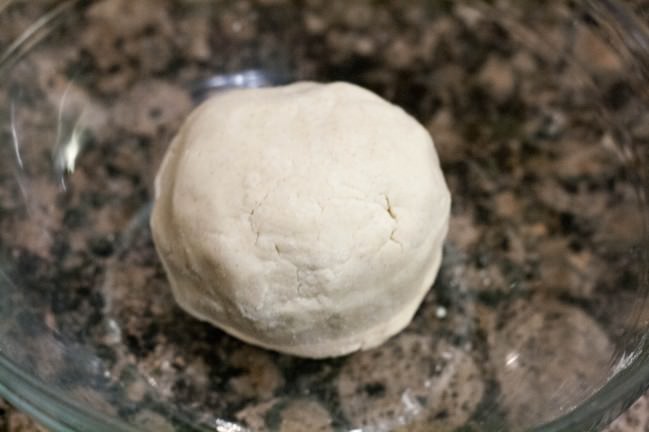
[(537, 270)]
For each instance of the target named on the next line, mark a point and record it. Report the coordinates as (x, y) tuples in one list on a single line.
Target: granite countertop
[(12, 420), (502, 283)]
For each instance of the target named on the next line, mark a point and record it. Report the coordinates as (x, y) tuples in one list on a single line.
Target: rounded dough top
[(307, 218)]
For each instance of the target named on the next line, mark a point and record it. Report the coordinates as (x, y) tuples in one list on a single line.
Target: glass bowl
[(539, 316)]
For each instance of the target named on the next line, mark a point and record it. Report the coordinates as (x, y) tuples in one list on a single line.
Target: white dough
[(308, 219)]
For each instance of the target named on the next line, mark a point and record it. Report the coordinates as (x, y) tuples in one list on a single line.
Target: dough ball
[(308, 219)]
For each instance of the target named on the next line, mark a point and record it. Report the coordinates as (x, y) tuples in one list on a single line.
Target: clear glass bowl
[(539, 317)]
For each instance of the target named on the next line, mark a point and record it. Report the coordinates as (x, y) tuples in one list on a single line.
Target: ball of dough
[(308, 219)]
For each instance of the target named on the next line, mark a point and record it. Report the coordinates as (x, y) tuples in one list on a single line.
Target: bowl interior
[(539, 126)]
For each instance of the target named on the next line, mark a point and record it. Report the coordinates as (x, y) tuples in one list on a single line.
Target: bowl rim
[(49, 406)]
